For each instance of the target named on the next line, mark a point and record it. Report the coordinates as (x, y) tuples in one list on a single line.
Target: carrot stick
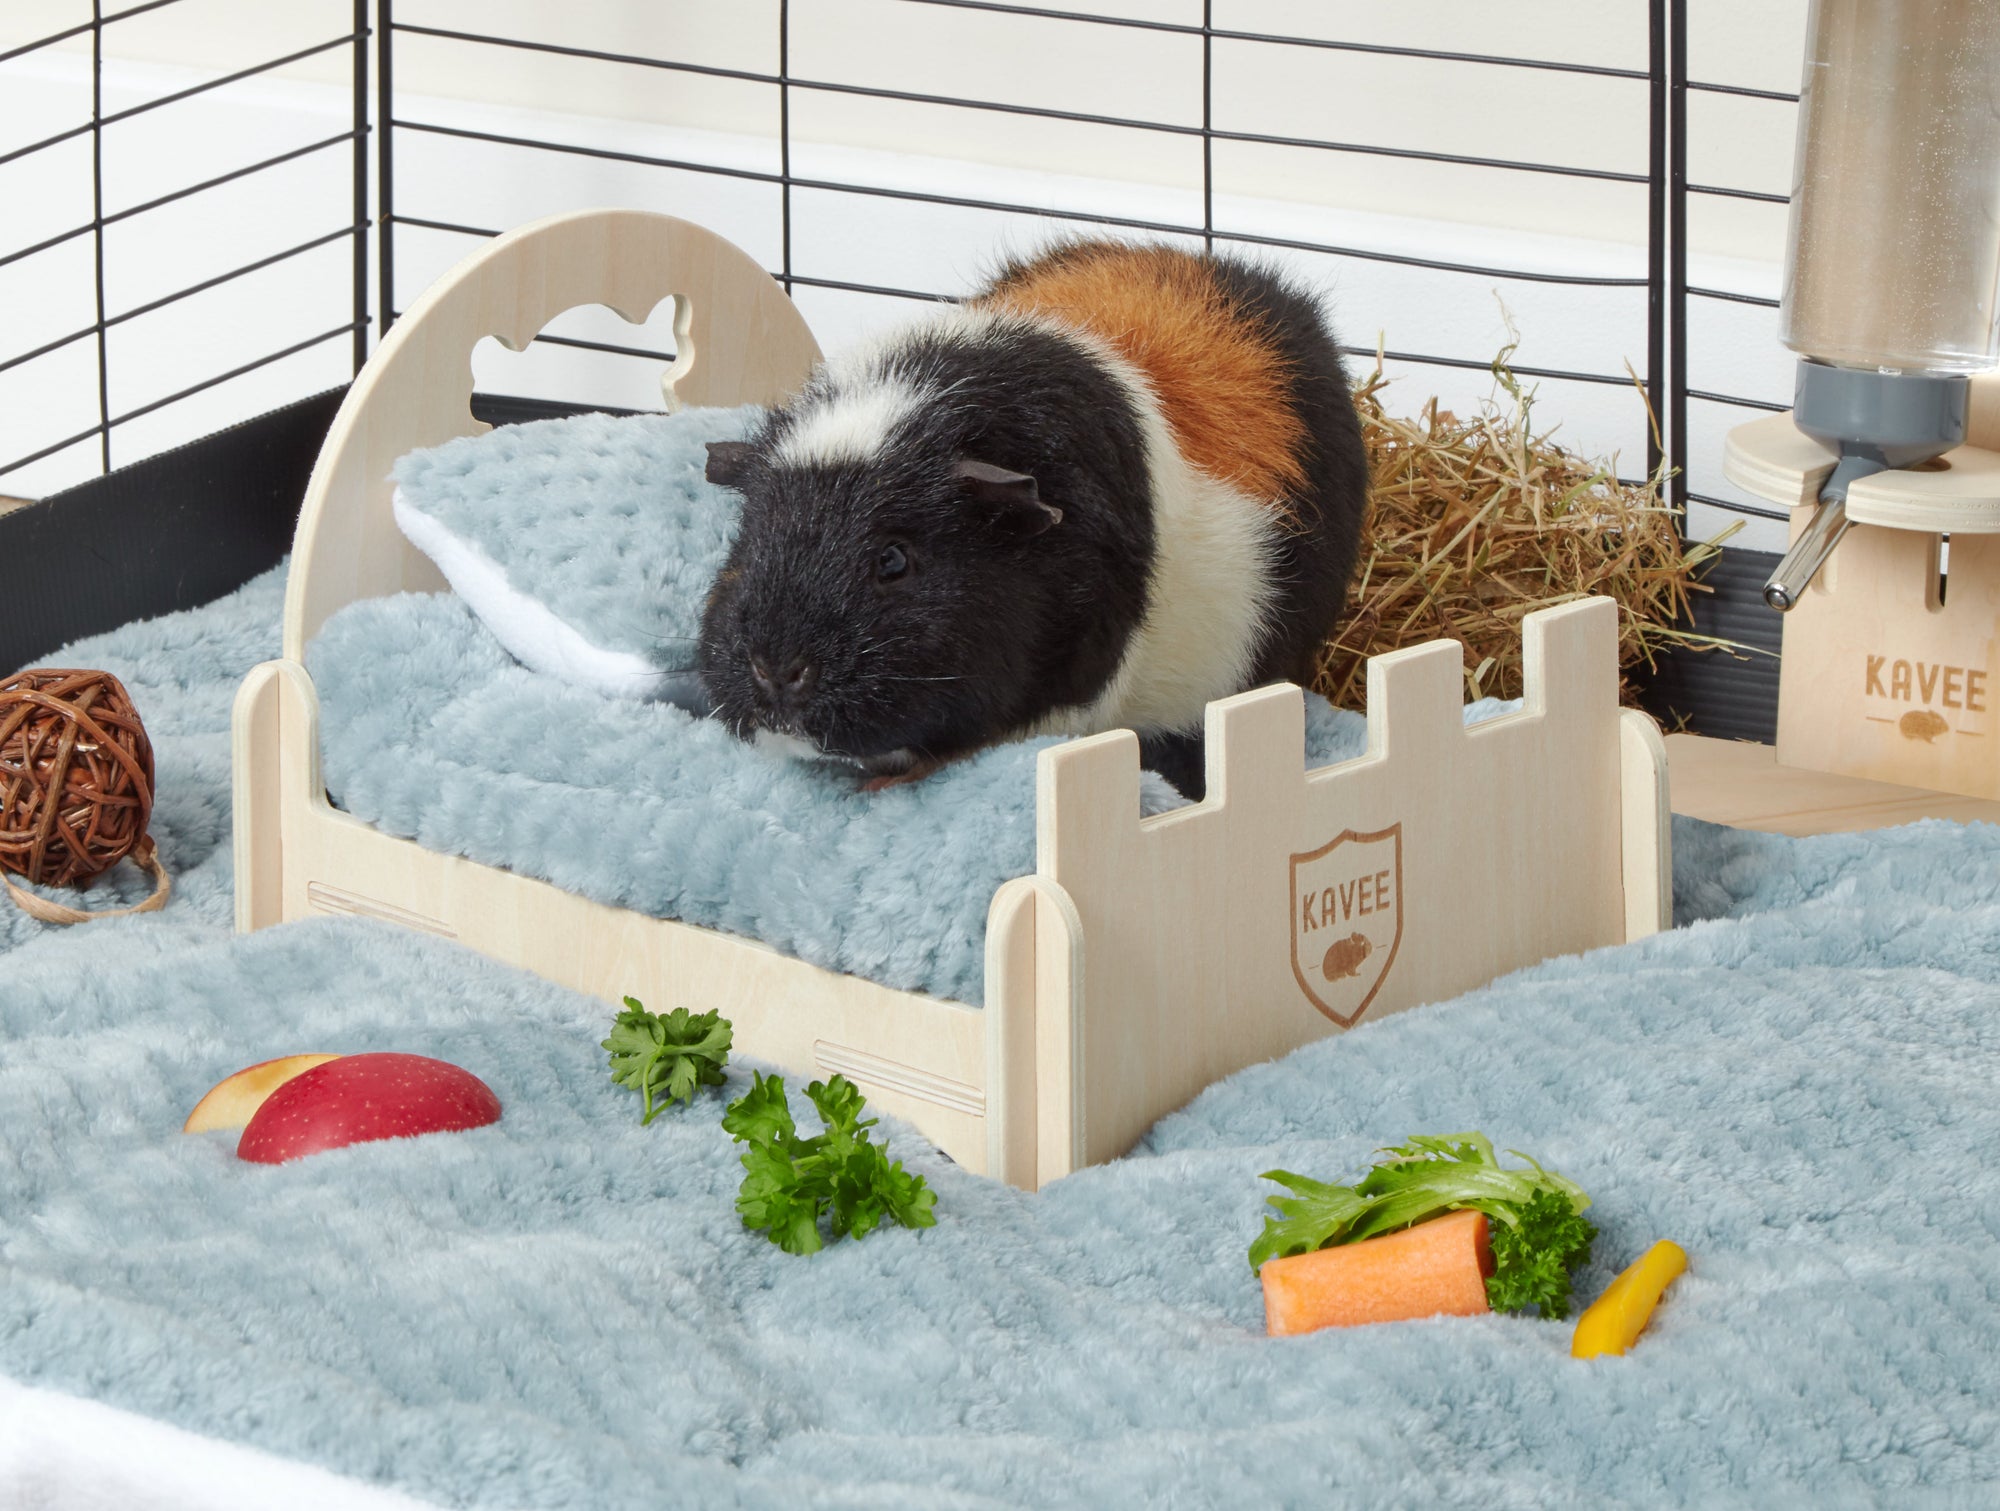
[(1437, 1268)]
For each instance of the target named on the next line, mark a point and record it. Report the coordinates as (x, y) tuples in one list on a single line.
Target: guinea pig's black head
[(882, 603)]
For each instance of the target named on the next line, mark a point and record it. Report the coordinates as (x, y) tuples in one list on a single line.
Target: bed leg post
[(1010, 1034), (255, 778), (1060, 1074), (1647, 833)]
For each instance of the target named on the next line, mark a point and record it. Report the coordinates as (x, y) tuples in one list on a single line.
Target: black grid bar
[(359, 221), (1677, 257), (1722, 191), (1208, 125), (48, 141), (97, 121), (1754, 511), (1747, 93), (1737, 400), (1658, 97), (785, 142), (606, 346), (1567, 375), (83, 28), (1732, 297), (385, 162)]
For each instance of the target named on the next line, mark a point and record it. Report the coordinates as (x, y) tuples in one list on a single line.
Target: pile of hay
[(1476, 523)]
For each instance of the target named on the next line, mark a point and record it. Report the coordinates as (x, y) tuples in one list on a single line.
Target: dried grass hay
[(1476, 523)]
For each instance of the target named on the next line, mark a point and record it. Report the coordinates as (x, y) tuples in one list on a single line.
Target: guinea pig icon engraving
[(1347, 919), (1345, 957), (1924, 724)]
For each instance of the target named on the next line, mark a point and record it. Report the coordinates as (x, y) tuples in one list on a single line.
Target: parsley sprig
[(791, 1183), (1539, 1233), (667, 1058)]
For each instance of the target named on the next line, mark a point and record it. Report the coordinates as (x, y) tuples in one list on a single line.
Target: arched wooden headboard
[(738, 340)]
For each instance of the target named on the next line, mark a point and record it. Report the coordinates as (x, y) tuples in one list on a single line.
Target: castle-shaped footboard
[(1171, 951)]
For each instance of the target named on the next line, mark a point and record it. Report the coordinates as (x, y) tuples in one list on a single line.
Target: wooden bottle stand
[(1888, 673)]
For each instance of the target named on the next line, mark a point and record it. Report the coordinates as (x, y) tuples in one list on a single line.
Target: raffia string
[(76, 789)]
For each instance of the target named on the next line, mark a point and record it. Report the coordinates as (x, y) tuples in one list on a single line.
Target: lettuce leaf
[(1538, 1232)]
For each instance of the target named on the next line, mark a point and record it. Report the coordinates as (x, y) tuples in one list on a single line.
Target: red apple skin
[(359, 1098)]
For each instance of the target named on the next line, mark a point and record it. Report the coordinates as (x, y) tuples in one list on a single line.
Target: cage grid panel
[(111, 137), (852, 230)]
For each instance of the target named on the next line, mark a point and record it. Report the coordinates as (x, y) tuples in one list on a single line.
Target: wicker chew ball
[(76, 787)]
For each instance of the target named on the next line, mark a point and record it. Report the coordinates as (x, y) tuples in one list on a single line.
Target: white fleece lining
[(64, 1453), (533, 635)]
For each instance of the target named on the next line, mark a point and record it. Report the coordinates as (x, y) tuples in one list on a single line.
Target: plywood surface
[(1736, 783), (1770, 457), (1292, 904)]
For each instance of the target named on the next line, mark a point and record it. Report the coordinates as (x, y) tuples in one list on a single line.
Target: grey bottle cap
[(1895, 419)]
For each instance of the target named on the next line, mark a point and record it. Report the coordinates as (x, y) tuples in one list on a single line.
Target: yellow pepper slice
[(1614, 1320)]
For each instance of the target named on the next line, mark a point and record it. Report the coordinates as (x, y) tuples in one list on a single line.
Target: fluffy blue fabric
[(561, 1310), (606, 520), (431, 731)]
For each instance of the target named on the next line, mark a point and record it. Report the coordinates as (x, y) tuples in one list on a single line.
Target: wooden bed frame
[(1143, 959)]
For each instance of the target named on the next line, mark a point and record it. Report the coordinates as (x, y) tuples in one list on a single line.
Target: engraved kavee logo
[(1924, 701), (1347, 920)]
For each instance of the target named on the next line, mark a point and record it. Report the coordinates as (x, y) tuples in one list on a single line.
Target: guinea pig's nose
[(794, 680)]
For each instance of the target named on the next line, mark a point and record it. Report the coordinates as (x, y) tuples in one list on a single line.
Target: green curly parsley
[(666, 1059), (791, 1183)]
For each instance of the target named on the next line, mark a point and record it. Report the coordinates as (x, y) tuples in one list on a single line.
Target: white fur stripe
[(849, 424), (1212, 590)]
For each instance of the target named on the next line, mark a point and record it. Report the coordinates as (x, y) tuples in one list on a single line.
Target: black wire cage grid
[(1208, 35)]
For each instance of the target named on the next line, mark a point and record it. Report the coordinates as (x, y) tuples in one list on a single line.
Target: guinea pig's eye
[(892, 563)]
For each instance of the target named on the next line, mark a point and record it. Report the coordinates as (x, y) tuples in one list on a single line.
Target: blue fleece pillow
[(586, 545)]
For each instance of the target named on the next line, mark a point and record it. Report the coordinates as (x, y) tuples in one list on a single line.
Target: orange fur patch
[(1220, 381)]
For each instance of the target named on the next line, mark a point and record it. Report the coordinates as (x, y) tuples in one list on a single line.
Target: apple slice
[(357, 1098), (233, 1101)]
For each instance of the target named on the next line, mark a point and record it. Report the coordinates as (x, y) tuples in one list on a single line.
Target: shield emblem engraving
[(1347, 920)]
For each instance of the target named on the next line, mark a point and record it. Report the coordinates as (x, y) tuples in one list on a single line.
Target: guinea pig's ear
[(1010, 498), (728, 461)]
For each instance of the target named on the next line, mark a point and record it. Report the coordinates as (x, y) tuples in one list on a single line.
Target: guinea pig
[(1119, 482)]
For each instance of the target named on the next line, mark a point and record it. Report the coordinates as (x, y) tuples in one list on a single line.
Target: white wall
[(1458, 213)]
